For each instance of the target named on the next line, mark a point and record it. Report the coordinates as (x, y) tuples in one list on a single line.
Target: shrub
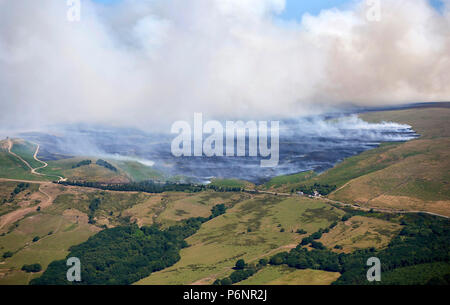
[(7, 254), (240, 264), (32, 268)]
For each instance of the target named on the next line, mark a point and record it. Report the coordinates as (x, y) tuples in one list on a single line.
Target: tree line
[(82, 163), (322, 189)]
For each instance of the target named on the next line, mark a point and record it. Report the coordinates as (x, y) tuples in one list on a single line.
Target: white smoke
[(147, 63), (350, 127)]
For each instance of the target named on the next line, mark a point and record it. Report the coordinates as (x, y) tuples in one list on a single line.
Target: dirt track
[(32, 170), (20, 213)]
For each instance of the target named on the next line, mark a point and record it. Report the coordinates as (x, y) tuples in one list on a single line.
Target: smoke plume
[(146, 63)]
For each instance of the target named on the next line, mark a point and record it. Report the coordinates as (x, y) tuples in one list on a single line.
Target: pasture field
[(252, 229), (286, 183), (10, 201), (231, 183), (137, 171), (92, 172), (284, 275), (128, 171), (195, 205), (57, 234), (359, 233)]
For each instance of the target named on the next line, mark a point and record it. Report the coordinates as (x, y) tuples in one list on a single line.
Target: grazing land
[(252, 229), (283, 275)]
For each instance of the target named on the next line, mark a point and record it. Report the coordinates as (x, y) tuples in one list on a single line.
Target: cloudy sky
[(146, 63)]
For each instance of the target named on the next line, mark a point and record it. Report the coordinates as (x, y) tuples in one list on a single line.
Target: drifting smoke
[(147, 63), (313, 143)]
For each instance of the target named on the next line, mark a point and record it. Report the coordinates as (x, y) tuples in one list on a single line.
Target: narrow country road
[(33, 170)]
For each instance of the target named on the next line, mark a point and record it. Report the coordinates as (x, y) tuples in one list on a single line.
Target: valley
[(372, 200)]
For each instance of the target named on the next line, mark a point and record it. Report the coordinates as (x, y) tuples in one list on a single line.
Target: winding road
[(33, 170), (20, 213)]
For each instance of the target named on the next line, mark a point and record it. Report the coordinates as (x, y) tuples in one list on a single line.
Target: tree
[(7, 254), (263, 262), (226, 281), (240, 264), (346, 217), (32, 268)]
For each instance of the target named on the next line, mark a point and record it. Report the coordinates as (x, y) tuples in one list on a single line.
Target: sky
[(294, 9), (146, 63)]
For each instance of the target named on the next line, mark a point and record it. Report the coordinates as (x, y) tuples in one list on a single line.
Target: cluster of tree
[(441, 281), (317, 235), (242, 271), (423, 239), (225, 188), (8, 254), (93, 206), (322, 189), (145, 186), (106, 164), (123, 255), (20, 188), (82, 163), (32, 268), (218, 210)]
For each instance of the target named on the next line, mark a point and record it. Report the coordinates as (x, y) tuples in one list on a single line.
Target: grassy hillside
[(127, 171), (26, 150), (13, 168), (414, 175), (360, 232), (286, 183), (283, 275), (252, 229), (14, 195)]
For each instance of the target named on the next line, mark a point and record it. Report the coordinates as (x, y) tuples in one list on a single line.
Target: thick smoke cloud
[(147, 63)]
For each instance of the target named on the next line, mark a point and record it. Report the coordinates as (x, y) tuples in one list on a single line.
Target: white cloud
[(148, 63)]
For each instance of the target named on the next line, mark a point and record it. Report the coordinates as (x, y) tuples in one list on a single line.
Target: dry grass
[(360, 232)]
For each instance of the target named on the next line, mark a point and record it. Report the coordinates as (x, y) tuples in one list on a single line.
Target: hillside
[(284, 237), (17, 161), (411, 176)]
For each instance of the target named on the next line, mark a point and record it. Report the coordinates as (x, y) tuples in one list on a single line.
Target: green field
[(66, 231), (231, 183), (283, 275), (286, 183), (251, 229), (13, 168)]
